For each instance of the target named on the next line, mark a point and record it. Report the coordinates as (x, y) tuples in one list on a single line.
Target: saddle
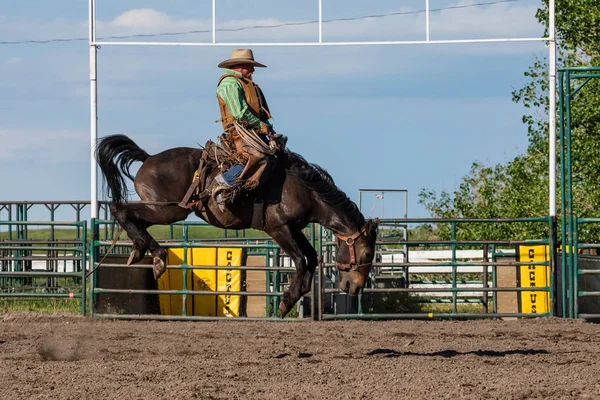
[(240, 162)]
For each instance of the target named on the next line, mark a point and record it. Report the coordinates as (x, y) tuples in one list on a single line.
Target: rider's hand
[(266, 129)]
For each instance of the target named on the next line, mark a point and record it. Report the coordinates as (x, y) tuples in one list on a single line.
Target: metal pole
[(83, 266), (320, 21), (563, 193), (305, 44), (321, 286), (454, 269), (93, 108), (427, 20), (567, 249), (214, 21), (485, 285), (313, 295), (552, 107), (574, 251)]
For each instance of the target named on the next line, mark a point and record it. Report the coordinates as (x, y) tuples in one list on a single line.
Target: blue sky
[(393, 117)]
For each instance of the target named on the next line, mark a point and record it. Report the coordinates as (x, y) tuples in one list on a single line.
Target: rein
[(155, 203), (112, 246), (352, 265)]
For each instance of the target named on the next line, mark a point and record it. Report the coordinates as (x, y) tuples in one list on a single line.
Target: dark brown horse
[(304, 193)]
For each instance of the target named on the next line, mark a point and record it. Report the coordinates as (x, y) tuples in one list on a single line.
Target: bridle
[(353, 266)]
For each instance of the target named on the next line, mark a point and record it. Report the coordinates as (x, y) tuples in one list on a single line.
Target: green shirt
[(232, 93)]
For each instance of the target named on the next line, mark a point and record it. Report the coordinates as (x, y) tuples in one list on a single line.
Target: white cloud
[(10, 64), (14, 28), (128, 63), (147, 21), (14, 61), (52, 146), (498, 20), (142, 18), (495, 21), (133, 70)]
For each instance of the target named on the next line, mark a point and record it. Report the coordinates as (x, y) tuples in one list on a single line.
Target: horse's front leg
[(295, 245)]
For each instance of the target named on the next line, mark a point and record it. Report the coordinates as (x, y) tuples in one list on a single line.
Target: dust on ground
[(72, 357)]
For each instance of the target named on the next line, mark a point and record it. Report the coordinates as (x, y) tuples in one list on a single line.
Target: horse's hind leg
[(135, 218), (304, 256), (134, 231)]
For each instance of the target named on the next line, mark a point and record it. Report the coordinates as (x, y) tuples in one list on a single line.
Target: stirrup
[(216, 192), (217, 195)]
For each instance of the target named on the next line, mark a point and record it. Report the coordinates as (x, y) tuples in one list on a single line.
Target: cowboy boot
[(255, 172)]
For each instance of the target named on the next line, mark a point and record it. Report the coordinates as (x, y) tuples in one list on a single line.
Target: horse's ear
[(372, 225)]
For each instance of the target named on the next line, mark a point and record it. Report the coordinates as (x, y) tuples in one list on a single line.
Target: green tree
[(519, 188)]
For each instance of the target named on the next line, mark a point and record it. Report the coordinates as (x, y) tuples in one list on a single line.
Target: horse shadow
[(390, 353)]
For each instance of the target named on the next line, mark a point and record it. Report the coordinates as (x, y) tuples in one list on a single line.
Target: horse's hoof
[(158, 268), (133, 257), (283, 310)]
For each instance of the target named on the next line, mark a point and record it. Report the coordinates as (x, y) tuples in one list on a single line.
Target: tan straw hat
[(240, 56)]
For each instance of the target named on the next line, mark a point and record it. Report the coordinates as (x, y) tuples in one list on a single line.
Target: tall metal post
[(552, 107), (93, 109), (552, 143), (427, 20), (214, 21), (563, 193), (567, 250), (320, 21)]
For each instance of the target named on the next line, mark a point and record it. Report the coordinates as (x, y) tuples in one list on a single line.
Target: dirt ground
[(70, 357)]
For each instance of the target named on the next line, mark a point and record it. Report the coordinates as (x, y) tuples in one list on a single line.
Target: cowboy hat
[(241, 56)]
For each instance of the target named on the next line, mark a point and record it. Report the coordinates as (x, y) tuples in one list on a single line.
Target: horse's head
[(355, 257)]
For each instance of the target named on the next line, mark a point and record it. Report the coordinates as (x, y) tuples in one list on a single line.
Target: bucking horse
[(297, 193)]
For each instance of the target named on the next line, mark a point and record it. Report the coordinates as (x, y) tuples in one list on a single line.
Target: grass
[(45, 305), (401, 302), (461, 308)]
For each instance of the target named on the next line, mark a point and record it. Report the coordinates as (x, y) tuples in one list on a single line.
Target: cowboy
[(242, 101)]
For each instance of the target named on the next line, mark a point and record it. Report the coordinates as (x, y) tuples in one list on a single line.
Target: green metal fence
[(570, 82), (581, 288), (452, 284), (52, 265), (44, 266), (276, 273)]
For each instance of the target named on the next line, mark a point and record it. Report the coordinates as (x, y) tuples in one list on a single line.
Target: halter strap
[(352, 266)]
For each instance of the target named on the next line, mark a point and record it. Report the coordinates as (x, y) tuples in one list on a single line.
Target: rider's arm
[(233, 95)]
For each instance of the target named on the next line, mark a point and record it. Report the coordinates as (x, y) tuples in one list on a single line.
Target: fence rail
[(447, 278), (44, 268)]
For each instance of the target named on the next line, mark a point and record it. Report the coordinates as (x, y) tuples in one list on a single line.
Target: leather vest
[(257, 104)]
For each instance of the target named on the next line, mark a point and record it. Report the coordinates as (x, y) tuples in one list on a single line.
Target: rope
[(107, 252), (154, 203), (252, 138)]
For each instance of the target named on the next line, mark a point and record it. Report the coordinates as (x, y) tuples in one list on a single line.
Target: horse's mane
[(319, 181)]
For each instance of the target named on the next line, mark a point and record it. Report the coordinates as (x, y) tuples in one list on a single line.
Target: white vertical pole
[(427, 20), (93, 108), (552, 107), (214, 22), (320, 21), (359, 200)]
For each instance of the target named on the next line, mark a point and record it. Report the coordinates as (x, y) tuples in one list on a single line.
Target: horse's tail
[(114, 155)]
